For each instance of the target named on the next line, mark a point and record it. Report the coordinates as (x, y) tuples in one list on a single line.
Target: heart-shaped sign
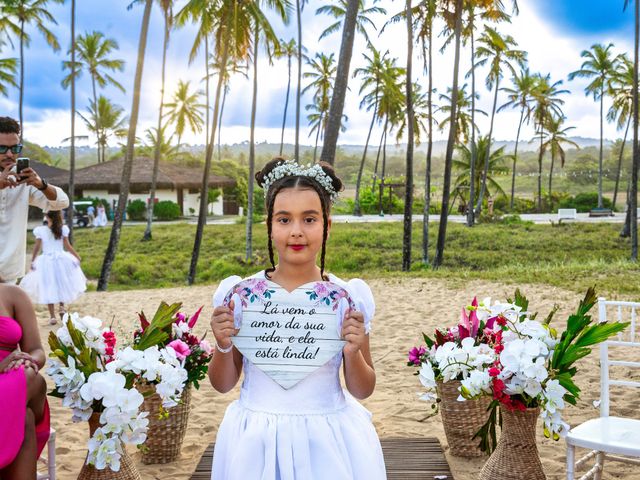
[(289, 335)]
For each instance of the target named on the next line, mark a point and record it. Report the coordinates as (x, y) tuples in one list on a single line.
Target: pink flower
[(194, 319), (180, 317), (415, 353), (205, 346), (182, 349)]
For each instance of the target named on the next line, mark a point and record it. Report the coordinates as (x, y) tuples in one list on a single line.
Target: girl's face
[(297, 225)]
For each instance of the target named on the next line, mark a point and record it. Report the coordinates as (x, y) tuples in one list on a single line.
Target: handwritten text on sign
[(289, 335)]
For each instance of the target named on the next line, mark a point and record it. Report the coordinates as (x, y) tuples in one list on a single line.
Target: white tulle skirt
[(57, 278), (339, 445)]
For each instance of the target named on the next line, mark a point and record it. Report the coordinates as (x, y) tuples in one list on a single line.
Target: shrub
[(583, 202), (166, 210), (137, 210)]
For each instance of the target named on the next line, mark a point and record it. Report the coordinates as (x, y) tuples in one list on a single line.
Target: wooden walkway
[(405, 458)]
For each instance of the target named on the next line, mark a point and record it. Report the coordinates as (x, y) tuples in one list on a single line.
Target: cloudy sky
[(553, 32)]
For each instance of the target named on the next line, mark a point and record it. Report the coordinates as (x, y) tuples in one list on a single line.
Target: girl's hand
[(33, 265), (353, 331), (15, 359), (222, 325)]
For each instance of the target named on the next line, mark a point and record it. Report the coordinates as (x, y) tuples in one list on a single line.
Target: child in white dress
[(314, 430), (55, 276)]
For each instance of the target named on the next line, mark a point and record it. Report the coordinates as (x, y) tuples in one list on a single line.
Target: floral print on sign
[(251, 290), (329, 294)]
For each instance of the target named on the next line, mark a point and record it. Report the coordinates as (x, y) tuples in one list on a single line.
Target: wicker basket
[(165, 436), (128, 470), (516, 456), (461, 420)]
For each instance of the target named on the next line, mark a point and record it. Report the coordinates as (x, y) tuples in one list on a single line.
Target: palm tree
[(72, 150), (342, 79), (158, 141), (633, 196), (185, 110), (105, 120), (463, 113), (462, 165), (167, 11), (521, 95), (8, 71), (453, 17), (622, 107), (339, 11), (287, 49), (372, 75), (114, 238), (408, 199), (555, 136), (93, 56), (26, 12), (322, 73), (599, 65), (496, 50), (546, 104)]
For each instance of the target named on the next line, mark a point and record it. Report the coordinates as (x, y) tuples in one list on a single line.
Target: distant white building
[(179, 183)]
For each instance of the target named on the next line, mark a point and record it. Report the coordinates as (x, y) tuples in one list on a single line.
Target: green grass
[(572, 256)]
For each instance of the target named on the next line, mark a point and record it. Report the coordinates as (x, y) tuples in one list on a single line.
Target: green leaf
[(159, 330), (427, 340)]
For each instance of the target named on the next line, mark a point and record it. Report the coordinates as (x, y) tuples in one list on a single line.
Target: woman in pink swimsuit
[(24, 412)]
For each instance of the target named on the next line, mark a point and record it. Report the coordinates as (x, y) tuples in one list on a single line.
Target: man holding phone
[(18, 190)]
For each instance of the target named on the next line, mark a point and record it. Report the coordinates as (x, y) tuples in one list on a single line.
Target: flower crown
[(292, 168)]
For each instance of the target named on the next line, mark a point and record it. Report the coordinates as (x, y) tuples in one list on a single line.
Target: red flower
[(501, 320), (494, 372)]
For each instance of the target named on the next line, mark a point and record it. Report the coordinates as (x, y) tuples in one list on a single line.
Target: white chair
[(567, 214), (50, 460), (611, 438)]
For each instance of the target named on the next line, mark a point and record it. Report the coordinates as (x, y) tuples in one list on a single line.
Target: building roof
[(109, 175), (47, 171)]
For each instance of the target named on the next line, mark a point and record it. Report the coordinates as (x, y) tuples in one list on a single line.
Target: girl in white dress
[(315, 430), (55, 276)]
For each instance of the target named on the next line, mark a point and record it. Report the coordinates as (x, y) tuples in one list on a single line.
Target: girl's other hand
[(222, 325), (353, 331)]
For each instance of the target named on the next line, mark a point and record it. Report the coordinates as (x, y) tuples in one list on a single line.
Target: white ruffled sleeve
[(361, 296), (221, 294), (38, 232)]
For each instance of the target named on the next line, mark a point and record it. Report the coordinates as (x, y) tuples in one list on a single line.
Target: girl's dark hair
[(56, 223), (297, 181)]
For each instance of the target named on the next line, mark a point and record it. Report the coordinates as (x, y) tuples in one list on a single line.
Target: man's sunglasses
[(14, 148)]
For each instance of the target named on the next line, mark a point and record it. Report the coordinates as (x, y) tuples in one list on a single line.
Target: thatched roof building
[(108, 176)]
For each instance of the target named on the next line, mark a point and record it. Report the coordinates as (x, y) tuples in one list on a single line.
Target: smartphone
[(22, 163)]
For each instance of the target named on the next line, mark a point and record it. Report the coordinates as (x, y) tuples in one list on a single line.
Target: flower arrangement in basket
[(456, 355), (93, 377), (166, 433), (194, 352), (535, 366)]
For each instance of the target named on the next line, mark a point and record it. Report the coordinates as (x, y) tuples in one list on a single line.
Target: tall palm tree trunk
[(252, 147), (553, 161), (408, 197), (636, 152), (485, 170), (224, 99), (383, 171), (114, 239), (204, 189), (99, 131), (624, 141), (286, 105), (427, 174), (356, 204), (471, 214), (206, 87), (72, 152), (601, 152), (334, 119), (296, 148), (160, 135), (375, 168), (515, 159), (540, 175), (315, 148), (21, 78), (448, 162)]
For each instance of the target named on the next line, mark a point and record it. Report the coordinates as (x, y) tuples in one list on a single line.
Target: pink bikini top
[(10, 334)]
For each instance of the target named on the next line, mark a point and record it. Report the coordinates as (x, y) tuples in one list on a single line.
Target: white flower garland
[(292, 168)]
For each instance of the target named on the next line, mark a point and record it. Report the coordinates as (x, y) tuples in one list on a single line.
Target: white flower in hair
[(288, 168)]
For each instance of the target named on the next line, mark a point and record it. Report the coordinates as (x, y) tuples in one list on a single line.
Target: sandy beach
[(406, 307)]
